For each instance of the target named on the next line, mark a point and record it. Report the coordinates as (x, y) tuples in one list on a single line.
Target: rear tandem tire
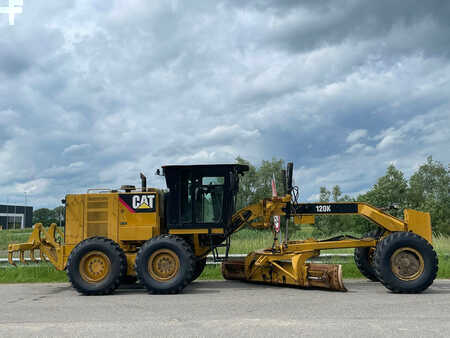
[(364, 259), (405, 263), (164, 264), (96, 266)]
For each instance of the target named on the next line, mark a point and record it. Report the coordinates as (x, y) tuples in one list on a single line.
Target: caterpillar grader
[(161, 238)]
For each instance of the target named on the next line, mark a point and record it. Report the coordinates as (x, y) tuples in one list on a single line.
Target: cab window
[(186, 199), (209, 199)]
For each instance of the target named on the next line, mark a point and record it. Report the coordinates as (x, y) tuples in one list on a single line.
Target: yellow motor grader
[(161, 238)]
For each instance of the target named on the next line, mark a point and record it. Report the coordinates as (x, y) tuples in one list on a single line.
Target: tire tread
[(361, 260), (189, 266), (388, 241), (116, 248)]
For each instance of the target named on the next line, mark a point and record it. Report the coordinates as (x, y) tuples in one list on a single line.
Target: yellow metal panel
[(195, 231), (308, 219), (96, 220), (113, 225), (312, 244), (419, 223), (388, 222), (66, 250), (138, 226), (74, 219), (137, 233)]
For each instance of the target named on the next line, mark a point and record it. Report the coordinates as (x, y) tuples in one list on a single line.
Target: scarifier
[(161, 238)]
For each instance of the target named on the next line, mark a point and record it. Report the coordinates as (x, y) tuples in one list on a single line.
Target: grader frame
[(286, 262)]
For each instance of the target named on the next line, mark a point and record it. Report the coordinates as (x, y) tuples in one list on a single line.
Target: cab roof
[(240, 168)]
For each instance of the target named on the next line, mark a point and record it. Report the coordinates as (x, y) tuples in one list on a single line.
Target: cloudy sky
[(92, 92)]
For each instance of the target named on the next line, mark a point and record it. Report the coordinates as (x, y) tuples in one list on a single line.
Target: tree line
[(48, 216), (428, 189)]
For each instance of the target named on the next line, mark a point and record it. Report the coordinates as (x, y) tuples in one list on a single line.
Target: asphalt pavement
[(226, 308)]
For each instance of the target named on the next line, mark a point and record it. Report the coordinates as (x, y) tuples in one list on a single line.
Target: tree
[(429, 190), (324, 195), (247, 185), (59, 213), (390, 189), (256, 184), (334, 224), (336, 193), (44, 216)]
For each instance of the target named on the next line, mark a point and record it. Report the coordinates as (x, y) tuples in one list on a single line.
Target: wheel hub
[(163, 265), (95, 266), (407, 263)]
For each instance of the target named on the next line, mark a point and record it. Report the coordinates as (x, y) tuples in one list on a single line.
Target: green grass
[(41, 273), (441, 244), (47, 273), (13, 236)]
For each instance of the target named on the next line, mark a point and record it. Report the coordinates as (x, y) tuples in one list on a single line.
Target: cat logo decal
[(139, 202)]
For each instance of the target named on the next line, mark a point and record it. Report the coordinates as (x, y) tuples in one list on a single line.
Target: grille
[(97, 229), (98, 205), (97, 216), (96, 198)]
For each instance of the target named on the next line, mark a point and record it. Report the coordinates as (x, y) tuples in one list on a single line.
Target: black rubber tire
[(118, 266), (386, 248), (199, 266), (128, 280), (185, 272), (363, 261)]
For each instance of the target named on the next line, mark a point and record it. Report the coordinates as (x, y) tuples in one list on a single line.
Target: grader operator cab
[(162, 238)]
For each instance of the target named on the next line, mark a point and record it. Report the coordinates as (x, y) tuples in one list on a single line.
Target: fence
[(210, 259), (335, 258)]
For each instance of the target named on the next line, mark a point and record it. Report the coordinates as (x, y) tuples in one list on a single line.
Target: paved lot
[(225, 309)]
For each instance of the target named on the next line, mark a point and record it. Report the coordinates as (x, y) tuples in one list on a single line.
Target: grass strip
[(36, 273), (46, 273)]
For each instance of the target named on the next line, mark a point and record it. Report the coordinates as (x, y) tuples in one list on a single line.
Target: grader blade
[(280, 270), (328, 276), (234, 269)]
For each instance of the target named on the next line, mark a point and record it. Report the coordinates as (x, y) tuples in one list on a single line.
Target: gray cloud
[(93, 93)]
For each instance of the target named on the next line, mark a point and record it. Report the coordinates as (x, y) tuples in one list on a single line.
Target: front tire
[(405, 263), (164, 264), (96, 266)]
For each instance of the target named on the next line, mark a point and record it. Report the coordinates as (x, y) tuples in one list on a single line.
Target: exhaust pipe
[(143, 182)]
